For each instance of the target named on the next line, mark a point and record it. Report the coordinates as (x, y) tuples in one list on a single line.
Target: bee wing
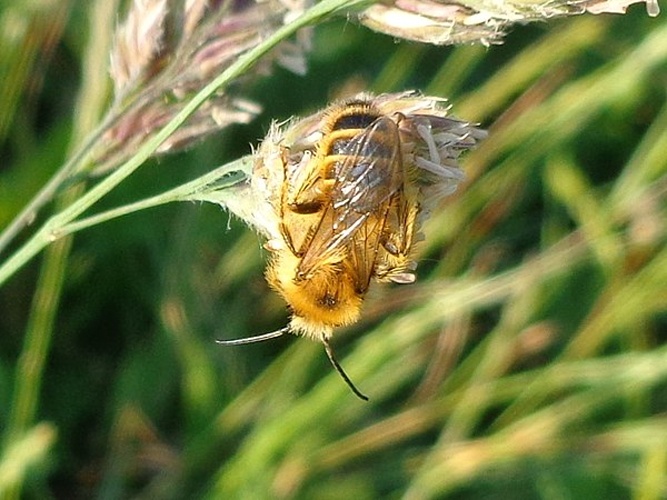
[(352, 222)]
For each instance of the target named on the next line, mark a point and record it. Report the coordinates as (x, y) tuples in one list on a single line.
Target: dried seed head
[(620, 6), (432, 22), (161, 57), (444, 22)]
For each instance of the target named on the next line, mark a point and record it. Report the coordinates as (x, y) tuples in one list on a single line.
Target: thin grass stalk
[(541, 128), (594, 383), (39, 335), (391, 431), (620, 308), (652, 474), (495, 363), (452, 75), (224, 178), (40, 27), (39, 332), (398, 69), (574, 191), (632, 301), (647, 164), (536, 432), (27, 450), (574, 37), (555, 49), (46, 194)]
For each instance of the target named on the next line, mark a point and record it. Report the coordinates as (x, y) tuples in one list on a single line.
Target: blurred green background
[(528, 361)]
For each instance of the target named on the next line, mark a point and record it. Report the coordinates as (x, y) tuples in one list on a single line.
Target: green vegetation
[(527, 361)]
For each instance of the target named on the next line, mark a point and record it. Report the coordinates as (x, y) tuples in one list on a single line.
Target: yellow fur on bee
[(320, 302)]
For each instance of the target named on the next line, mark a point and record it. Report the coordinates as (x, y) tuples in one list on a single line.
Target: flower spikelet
[(165, 52), (444, 22)]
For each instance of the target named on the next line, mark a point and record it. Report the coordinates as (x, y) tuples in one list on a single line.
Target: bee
[(348, 200)]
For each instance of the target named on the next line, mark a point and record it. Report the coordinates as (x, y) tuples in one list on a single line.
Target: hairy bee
[(347, 216), (347, 187)]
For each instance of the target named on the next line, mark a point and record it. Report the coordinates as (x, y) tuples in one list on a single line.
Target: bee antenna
[(256, 338), (341, 372)]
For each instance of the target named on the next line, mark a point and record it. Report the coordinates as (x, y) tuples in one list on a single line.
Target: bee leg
[(287, 238), (398, 267), (311, 199)]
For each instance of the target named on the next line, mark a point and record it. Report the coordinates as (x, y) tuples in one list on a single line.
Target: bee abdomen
[(347, 126)]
